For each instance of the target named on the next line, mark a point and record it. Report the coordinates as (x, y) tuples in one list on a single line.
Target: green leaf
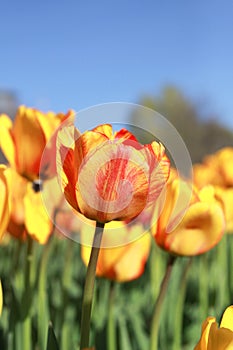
[(52, 343), (1, 298)]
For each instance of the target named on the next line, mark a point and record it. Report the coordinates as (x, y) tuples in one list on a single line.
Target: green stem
[(25, 319), (65, 324), (111, 327), (223, 265), (204, 286), (157, 268), (230, 274), (159, 304), (89, 287), (178, 321), (43, 310)]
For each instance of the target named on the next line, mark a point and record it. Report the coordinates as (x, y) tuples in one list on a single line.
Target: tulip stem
[(111, 327), (159, 304), (203, 286), (26, 302), (89, 287), (43, 311), (179, 309)]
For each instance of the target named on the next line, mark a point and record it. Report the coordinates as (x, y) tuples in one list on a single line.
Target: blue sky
[(73, 54)]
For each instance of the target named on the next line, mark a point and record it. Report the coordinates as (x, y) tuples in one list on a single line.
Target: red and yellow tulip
[(108, 175), (122, 263), (23, 141), (214, 337), (189, 229)]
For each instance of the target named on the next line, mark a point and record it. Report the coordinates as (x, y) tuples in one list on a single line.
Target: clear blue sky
[(74, 54)]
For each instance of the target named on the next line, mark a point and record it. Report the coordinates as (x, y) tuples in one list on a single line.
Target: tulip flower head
[(225, 197), (108, 175), (216, 169), (23, 141), (195, 228), (215, 338), (123, 263), (28, 214)]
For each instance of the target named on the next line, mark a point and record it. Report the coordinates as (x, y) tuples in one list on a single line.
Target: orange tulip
[(110, 176), (123, 263), (28, 213), (24, 141), (192, 229), (215, 338), (4, 200)]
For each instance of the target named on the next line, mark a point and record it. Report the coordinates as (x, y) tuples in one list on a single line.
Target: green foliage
[(52, 343), (57, 278)]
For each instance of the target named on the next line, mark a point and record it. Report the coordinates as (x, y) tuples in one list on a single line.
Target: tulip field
[(106, 245)]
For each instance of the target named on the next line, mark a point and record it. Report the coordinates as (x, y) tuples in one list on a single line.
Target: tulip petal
[(203, 342), (132, 263), (26, 130), (225, 196), (201, 228), (227, 319), (6, 139), (220, 338), (50, 121), (124, 134), (37, 221), (68, 174), (123, 263), (4, 200), (113, 183), (104, 129)]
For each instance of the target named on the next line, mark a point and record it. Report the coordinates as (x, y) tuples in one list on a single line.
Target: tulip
[(189, 228), (123, 263), (221, 162), (4, 200), (225, 197), (216, 169), (28, 213), (215, 338), (23, 141), (205, 175), (110, 176)]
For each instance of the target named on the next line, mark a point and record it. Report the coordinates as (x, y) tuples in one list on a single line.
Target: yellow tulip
[(123, 263), (189, 229), (225, 197), (4, 200), (23, 141), (215, 338), (28, 214), (204, 174), (216, 169)]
